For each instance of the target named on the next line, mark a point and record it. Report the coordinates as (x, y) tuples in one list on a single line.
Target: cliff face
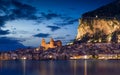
[(99, 30), (100, 25)]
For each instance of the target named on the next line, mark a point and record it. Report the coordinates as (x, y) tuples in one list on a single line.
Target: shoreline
[(67, 52), (80, 57)]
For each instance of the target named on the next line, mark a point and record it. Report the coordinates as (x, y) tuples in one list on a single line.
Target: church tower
[(52, 43), (43, 43)]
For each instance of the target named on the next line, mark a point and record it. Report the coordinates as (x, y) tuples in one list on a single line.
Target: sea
[(60, 67)]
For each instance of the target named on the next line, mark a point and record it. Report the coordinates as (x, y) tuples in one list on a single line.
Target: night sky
[(24, 23)]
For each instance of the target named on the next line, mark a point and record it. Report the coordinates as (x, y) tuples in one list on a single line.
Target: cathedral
[(51, 44)]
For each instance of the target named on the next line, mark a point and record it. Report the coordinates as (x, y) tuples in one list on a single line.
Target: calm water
[(71, 67)]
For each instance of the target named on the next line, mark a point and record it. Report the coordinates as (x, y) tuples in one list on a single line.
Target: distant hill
[(109, 10)]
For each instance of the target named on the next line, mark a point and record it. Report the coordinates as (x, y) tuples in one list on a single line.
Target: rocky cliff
[(100, 25)]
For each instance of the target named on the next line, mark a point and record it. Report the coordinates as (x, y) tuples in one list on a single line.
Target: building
[(107, 56), (51, 44)]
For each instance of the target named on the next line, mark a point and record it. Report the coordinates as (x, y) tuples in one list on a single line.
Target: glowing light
[(71, 43), (85, 56), (24, 58), (14, 58), (96, 16), (37, 49), (50, 56)]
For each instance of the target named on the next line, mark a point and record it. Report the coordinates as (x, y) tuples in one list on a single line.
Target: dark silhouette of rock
[(109, 10)]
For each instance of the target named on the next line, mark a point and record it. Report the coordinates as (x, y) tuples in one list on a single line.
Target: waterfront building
[(107, 56)]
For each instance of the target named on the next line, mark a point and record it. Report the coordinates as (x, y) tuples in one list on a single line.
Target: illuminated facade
[(51, 44)]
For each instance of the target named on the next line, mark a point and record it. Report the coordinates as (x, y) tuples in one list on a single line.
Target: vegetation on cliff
[(109, 10), (101, 25)]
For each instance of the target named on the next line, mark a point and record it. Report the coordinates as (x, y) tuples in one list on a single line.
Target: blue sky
[(24, 23)]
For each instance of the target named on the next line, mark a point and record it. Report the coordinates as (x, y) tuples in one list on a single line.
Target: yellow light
[(37, 49), (24, 58), (50, 56), (85, 56), (75, 57)]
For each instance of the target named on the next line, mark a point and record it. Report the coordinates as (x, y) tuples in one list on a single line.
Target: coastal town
[(98, 37), (55, 51)]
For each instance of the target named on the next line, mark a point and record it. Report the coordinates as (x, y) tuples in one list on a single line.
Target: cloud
[(60, 38), (2, 20), (37, 29), (66, 22), (50, 15), (73, 20), (12, 10), (23, 11), (42, 35), (67, 35), (62, 19), (53, 28), (4, 32), (10, 44)]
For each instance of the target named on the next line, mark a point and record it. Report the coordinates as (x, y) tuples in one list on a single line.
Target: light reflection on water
[(85, 67), (24, 67), (60, 67)]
